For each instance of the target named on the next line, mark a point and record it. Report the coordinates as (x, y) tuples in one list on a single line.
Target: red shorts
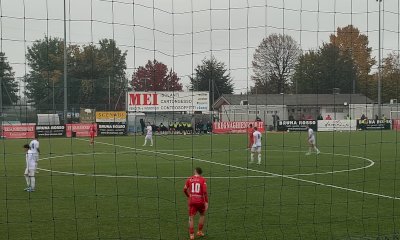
[(196, 207), (91, 135)]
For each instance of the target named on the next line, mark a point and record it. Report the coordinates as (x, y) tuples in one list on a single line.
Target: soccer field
[(121, 190)]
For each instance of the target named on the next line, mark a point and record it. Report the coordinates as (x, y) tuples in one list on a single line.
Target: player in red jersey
[(92, 132), (250, 131), (196, 191)]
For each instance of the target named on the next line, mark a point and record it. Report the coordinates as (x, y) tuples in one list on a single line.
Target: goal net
[(286, 107)]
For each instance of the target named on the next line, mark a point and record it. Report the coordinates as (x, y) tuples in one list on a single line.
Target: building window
[(257, 112)]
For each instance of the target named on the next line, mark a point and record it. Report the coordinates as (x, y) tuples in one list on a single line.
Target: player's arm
[(185, 189), (27, 160), (205, 195)]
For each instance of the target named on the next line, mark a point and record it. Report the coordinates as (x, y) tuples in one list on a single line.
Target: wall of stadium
[(240, 113)]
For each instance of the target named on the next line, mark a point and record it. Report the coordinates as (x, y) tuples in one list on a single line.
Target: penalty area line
[(254, 170)]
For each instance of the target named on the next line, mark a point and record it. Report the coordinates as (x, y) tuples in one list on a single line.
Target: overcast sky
[(228, 29)]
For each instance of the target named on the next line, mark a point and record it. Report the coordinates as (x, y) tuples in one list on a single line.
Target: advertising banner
[(396, 124), (236, 127), (48, 119), (111, 117), (50, 130), (297, 125), (167, 101), (18, 130), (372, 124), (80, 130), (111, 129), (336, 125), (87, 115)]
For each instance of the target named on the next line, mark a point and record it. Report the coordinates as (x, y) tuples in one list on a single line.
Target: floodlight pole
[(65, 65), (379, 63), (1, 86), (54, 104), (109, 92)]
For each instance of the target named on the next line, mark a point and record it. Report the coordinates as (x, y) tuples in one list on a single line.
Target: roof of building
[(293, 99)]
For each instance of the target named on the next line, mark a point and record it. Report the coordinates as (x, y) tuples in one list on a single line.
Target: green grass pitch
[(121, 190)]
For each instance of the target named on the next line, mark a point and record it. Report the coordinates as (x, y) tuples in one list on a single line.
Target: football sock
[(33, 182), (252, 157), (201, 227), (27, 181), (191, 230), (259, 158)]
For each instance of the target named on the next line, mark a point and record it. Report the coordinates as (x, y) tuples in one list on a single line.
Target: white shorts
[(29, 172), (149, 137), (255, 148), (311, 141)]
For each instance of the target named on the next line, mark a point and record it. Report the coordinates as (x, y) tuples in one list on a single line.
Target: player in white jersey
[(256, 148), (34, 147), (30, 169), (149, 135), (311, 141)]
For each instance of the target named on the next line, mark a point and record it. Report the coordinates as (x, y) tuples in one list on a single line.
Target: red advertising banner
[(236, 127), (18, 131), (81, 129), (396, 124)]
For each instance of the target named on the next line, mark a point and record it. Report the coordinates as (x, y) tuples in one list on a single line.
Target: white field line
[(259, 171), (371, 163)]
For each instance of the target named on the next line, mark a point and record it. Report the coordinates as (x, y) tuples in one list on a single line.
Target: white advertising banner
[(167, 101), (337, 125)]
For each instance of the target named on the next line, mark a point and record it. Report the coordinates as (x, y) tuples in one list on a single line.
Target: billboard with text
[(236, 127), (337, 125), (23, 130), (297, 125), (167, 101), (50, 130), (111, 116), (78, 129)]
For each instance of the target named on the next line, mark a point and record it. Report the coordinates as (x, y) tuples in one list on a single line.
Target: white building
[(233, 107)]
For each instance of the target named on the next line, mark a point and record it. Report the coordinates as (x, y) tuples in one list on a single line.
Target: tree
[(211, 75), (101, 72), (44, 80), (9, 85), (307, 73), (350, 41), (274, 62), (155, 76), (92, 72), (390, 78), (322, 71)]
